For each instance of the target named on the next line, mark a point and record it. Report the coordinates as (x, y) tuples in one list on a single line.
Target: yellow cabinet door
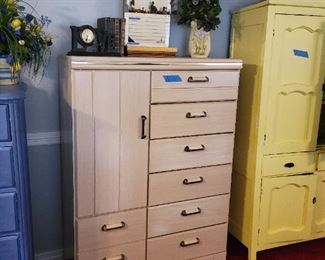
[(286, 208), (319, 215), (295, 89)]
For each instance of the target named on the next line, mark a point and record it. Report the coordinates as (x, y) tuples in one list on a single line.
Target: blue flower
[(45, 21), (29, 18), (10, 59), (21, 8)]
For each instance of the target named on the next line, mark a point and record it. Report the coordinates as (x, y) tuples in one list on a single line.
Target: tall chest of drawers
[(15, 209), (147, 153)]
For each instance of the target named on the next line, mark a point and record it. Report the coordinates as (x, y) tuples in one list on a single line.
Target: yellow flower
[(11, 2), (15, 24), (16, 67)]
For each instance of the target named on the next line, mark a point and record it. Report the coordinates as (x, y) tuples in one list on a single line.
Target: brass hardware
[(189, 182), (186, 213), (106, 227), (289, 165), (198, 80), (196, 115), (314, 200), (190, 243), (194, 149), (121, 257), (143, 120)]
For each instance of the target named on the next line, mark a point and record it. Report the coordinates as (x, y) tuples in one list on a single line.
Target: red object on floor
[(311, 250)]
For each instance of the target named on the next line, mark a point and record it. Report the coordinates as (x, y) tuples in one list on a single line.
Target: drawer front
[(189, 245), (174, 120), (132, 251), (220, 256), (189, 184), (172, 218), (9, 248), (287, 164), (111, 230), (8, 210), (321, 161), (5, 135), (6, 167), (188, 86), (190, 152)]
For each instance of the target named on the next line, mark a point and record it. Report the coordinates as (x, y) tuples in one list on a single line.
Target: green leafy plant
[(204, 12), (22, 36)]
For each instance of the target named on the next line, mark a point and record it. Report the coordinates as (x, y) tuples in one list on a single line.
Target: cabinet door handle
[(143, 120), (190, 212), (196, 115), (189, 149), (120, 257), (190, 242), (109, 227), (198, 79), (289, 165), (314, 200), (193, 181)]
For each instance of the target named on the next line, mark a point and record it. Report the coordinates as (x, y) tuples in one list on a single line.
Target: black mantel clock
[(106, 40)]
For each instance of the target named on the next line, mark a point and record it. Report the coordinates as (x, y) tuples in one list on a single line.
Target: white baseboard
[(51, 255), (43, 138)]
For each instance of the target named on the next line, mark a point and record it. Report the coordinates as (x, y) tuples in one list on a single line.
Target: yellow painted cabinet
[(287, 205), (319, 215), (297, 74)]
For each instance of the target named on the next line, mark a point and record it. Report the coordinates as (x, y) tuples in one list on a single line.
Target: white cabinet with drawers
[(147, 147)]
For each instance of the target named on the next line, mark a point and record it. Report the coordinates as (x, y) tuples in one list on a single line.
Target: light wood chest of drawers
[(147, 152)]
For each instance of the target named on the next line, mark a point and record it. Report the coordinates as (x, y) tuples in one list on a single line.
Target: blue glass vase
[(6, 75)]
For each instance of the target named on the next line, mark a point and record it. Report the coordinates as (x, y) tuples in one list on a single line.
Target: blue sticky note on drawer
[(301, 53), (172, 78)]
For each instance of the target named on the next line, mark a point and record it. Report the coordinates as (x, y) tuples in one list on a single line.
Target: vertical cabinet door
[(319, 215), (111, 153), (295, 88), (287, 205)]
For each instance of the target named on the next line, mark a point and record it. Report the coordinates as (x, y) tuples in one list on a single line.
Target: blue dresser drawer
[(9, 248), (8, 219), (5, 135), (6, 167)]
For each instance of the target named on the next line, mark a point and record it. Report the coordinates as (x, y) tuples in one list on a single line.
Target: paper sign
[(172, 78), (301, 53)]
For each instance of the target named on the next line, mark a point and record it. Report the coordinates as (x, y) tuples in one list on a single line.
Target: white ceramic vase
[(199, 42)]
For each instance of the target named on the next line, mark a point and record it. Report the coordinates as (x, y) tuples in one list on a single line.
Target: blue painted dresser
[(15, 211)]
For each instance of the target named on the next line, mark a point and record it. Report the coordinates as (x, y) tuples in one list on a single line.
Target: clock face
[(87, 36)]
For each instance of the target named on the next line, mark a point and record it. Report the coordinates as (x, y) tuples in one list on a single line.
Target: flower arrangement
[(22, 37), (203, 12)]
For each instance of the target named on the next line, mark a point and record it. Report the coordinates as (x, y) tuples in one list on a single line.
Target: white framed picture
[(147, 22)]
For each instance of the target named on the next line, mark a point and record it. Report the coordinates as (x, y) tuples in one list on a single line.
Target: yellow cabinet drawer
[(188, 86), (189, 245), (174, 120), (172, 218), (111, 230), (288, 164), (174, 186), (190, 152), (321, 161), (132, 251)]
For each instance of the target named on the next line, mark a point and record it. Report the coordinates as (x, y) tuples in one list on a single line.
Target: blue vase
[(6, 75)]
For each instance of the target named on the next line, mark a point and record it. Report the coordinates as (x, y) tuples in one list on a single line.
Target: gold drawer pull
[(190, 212), (198, 79), (106, 227), (189, 149), (121, 257), (193, 181), (196, 115), (192, 242)]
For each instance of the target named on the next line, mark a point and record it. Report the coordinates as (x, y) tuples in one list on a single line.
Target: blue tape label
[(301, 53), (172, 78)]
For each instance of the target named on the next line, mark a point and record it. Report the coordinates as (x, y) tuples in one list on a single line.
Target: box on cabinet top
[(137, 63)]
